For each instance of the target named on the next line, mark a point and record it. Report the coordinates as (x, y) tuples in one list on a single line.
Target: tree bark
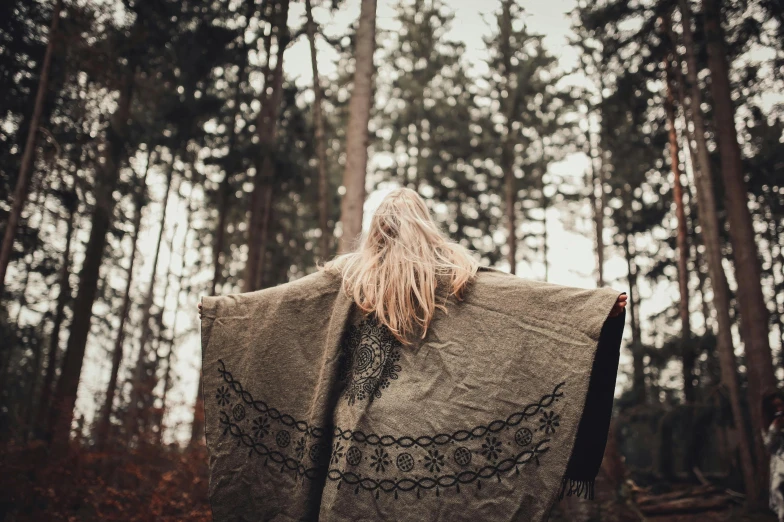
[(754, 313), (507, 154), (63, 298), (170, 341), (638, 364), (139, 393), (357, 132), (26, 167), (321, 148), (117, 355), (596, 182), (597, 207), (62, 412), (710, 235), (266, 125), (687, 353), (510, 194)]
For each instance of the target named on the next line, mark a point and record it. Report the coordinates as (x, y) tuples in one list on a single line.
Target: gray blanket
[(315, 412)]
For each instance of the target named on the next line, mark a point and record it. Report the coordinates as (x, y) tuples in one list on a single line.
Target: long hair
[(767, 406), (404, 261)]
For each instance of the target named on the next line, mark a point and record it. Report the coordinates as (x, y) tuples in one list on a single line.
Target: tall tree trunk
[(170, 340), (772, 273), (133, 423), (357, 132), (687, 353), (754, 313), (710, 236), (64, 296), (106, 180), (321, 147), (510, 193), (150, 415), (545, 203), (688, 136), (638, 364), (26, 166), (596, 182), (597, 208), (117, 354), (774, 241), (261, 198), (512, 87)]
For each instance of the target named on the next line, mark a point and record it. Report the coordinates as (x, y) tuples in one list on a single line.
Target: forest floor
[(607, 507), (170, 484)]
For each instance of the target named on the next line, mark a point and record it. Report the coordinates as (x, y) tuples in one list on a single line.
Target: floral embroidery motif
[(337, 453), (299, 448), (369, 359), (223, 395), (549, 422), (491, 448), (261, 427), (380, 460), (434, 461)]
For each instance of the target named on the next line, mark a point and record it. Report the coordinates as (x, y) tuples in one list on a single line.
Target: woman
[(773, 417), (405, 382)]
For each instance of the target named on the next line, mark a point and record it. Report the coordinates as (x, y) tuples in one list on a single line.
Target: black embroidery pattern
[(477, 432), (385, 463), (369, 359)]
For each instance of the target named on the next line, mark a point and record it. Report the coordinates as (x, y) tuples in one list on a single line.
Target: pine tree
[(357, 129)]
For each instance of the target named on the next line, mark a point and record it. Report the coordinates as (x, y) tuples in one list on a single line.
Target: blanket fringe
[(578, 488)]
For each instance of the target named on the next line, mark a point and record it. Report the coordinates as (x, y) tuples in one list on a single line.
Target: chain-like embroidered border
[(405, 441), (386, 485), (443, 481)]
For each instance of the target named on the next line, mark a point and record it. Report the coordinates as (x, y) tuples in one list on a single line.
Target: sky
[(570, 257)]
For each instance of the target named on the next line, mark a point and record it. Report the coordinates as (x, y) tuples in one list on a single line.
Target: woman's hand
[(619, 305), (200, 310)]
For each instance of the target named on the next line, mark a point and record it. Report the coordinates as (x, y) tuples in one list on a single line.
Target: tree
[(357, 134), (263, 185), (754, 313), (710, 236), (321, 147), (528, 110), (26, 166), (63, 406), (687, 353)]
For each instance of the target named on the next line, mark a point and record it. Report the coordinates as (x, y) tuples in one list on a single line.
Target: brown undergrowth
[(162, 483)]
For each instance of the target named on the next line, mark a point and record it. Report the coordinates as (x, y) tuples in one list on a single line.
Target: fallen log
[(685, 505), (699, 491)]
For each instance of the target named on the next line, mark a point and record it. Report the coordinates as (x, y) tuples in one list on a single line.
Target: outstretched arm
[(617, 309)]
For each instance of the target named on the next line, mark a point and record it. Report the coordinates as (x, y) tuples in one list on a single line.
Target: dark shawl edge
[(591, 439)]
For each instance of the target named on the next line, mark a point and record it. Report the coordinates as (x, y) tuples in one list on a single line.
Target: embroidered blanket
[(316, 412)]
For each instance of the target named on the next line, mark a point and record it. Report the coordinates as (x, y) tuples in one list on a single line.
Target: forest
[(155, 151)]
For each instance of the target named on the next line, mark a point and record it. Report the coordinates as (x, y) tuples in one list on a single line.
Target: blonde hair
[(403, 261)]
